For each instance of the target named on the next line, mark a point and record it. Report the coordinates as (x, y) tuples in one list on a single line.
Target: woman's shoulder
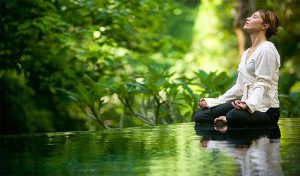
[(268, 50), (265, 49)]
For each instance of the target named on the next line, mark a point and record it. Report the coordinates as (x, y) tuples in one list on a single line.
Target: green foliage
[(23, 115), (75, 56), (214, 84), (152, 85), (203, 84), (289, 104), (290, 95)]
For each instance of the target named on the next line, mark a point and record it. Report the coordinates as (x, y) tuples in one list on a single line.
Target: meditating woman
[(253, 100)]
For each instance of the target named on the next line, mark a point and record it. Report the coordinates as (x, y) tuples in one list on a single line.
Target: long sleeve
[(265, 67), (235, 92)]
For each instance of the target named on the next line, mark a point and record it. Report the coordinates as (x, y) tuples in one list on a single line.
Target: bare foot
[(220, 121)]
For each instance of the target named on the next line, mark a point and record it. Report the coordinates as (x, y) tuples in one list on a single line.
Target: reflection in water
[(166, 150), (257, 150)]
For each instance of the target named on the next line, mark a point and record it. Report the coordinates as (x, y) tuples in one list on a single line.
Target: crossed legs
[(226, 113), (210, 114)]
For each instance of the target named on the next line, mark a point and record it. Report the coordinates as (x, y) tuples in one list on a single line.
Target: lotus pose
[(253, 100)]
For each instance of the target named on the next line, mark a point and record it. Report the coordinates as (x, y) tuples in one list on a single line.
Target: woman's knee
[(234, 117), (201, 115), (232, 114)]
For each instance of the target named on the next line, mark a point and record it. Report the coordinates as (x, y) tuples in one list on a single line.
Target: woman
[(253, 100)]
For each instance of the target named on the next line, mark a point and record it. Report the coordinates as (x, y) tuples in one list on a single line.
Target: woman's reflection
[(256, 149)]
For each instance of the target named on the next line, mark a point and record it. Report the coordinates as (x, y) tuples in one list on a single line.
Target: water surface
[(177, 149)]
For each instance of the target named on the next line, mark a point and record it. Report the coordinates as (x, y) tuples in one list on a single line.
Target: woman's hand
[(202, 103), (238, 104)]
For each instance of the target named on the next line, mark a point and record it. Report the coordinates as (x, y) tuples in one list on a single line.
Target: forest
[(90, 64)]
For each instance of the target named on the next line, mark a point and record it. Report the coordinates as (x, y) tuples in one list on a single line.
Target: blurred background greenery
[(89, 64)]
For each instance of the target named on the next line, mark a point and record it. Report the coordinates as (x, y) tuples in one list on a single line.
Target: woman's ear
[(265, 26)]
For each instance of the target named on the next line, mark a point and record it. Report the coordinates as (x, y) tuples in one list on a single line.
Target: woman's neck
[(257, 39)]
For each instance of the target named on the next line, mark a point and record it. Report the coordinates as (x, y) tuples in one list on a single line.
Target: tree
[(245, 9)]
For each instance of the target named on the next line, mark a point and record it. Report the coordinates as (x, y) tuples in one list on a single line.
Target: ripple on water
[(177, 149)]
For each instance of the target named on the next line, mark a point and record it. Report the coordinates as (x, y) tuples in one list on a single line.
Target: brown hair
[(271, 19)]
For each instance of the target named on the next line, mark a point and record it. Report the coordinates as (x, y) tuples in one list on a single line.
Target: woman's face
[(254, 23)]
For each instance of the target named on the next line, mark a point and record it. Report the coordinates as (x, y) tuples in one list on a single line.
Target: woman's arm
[(235, 92), (265, 67)]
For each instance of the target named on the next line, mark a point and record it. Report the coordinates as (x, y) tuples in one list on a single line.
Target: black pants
[(237, 117)]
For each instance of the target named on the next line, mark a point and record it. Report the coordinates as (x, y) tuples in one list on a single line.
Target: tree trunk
[(245, 9)]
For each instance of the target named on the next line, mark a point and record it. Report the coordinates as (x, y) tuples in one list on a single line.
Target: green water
[(179, 149)]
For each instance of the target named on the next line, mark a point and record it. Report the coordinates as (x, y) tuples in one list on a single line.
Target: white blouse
[(257, 82)]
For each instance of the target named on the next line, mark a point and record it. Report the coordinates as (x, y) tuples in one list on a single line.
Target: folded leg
[(209, 114)]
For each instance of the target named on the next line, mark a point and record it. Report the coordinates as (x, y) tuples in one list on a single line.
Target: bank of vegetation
[(89, 64)]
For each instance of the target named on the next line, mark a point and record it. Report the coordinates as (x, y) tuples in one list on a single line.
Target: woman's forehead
[(256, 13)]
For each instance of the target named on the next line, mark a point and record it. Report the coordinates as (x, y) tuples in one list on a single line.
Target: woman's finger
[(200, 104), (234, 105), (203, 104), (242, 105)]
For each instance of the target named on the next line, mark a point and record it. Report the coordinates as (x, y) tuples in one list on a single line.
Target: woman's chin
[(245, 28)]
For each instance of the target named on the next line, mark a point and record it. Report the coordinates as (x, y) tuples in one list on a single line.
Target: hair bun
[(271, 19)]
